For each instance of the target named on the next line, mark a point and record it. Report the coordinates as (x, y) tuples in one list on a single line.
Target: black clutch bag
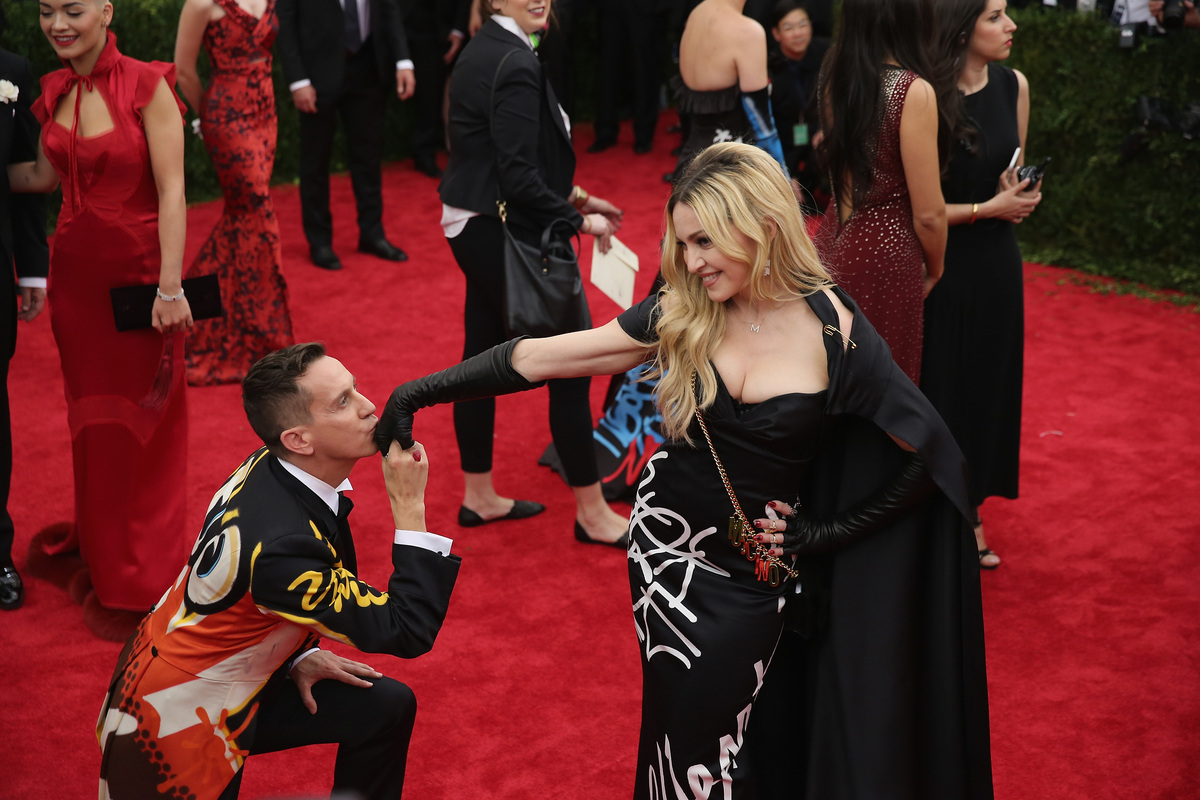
[(543, 290), (132, 305)]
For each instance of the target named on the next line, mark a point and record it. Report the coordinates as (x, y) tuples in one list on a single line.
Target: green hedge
[(1136, 220)]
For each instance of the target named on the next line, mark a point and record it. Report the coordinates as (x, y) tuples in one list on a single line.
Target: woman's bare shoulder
[(845, 315)]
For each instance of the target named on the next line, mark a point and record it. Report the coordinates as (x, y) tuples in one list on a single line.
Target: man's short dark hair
[(272, 395)]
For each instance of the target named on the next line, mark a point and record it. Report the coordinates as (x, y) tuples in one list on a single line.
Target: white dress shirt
[(364, 28)]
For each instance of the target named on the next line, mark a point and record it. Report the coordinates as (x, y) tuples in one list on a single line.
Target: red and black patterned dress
[(875, 254), (238, 122)]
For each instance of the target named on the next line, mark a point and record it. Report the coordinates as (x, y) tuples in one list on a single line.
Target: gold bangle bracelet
[(974, 212), (581, 197)]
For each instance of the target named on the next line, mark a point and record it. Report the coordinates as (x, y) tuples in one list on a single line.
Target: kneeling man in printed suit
[(227, 665)]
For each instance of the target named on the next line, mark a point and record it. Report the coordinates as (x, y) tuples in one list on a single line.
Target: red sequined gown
[(875, 254), (126, 401), (238, 122)]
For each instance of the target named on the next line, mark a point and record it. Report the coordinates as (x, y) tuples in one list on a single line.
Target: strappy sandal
[(984, 553)]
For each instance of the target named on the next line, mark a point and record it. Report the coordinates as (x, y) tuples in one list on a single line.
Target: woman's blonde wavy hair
[(732, 188)]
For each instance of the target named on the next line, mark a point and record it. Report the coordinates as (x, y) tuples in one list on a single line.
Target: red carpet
[(532, 689)]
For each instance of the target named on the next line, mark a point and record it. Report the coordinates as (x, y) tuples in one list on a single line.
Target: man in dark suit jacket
[(340, 61), (226, 665), (23, 243)]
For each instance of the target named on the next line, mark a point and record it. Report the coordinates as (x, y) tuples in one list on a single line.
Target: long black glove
[(806, 535), (488, 374)]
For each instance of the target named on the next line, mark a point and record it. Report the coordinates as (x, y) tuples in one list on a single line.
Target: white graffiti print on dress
[(668, 544), (664, 780), (725, 135)]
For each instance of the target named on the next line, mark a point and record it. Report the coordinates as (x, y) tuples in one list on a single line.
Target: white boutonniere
[(8, 92)]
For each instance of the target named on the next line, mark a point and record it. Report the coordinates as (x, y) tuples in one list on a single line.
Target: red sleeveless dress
[(875, 255), (238, 122), (126, 402)]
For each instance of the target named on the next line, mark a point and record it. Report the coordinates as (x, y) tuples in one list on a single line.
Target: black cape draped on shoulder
[(887, 697)]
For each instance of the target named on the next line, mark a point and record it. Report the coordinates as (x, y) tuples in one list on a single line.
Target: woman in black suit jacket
[(518, 150)]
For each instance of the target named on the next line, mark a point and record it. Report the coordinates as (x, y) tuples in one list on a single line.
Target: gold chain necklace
[(767, 567)]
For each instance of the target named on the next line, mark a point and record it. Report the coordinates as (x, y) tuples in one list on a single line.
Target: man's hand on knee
[(324, 665)]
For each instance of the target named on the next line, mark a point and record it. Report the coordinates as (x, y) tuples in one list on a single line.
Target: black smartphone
[(1033, 173)]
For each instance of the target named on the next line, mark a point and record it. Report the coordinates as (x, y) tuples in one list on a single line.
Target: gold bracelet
[(974, 212), (580, 197)]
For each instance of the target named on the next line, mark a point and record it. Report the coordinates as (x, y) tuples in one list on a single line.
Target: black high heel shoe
[(581, 536)]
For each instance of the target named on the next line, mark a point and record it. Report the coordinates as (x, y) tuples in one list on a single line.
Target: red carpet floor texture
[(532, 690)]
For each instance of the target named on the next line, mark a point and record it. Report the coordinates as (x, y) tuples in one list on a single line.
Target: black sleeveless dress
[(972, 358), (716, 116), (707, 627)]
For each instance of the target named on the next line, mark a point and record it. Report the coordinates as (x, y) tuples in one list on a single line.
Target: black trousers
[(371, 727), (633, 49), (427, 51), (360, 104), (479, 251), (8, 335)]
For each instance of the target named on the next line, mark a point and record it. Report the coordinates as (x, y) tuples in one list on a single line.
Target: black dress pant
[(427, 50), (633, 47), (8, 336), (479, 251), (360, 104), (372, 728)]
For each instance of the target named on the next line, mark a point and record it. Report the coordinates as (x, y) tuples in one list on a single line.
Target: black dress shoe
[(427, 166), (12, 591), (324, 257), (600, 145), (581, 536), (641, 148), (382, 248), (522, 509)]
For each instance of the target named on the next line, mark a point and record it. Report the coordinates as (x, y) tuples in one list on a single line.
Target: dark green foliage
[(1137, 219)]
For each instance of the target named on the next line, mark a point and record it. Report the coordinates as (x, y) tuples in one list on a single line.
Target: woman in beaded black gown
[(756, 349), (974, 318)]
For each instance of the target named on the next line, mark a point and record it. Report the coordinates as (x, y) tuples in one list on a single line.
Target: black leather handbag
[(543, 288)]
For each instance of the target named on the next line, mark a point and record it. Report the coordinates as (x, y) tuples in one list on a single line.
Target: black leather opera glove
[(807, 535), (488, 374)]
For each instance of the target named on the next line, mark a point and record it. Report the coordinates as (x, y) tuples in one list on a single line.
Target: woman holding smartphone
[(974, 317)]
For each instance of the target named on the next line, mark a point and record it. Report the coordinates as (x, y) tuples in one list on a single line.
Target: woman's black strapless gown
[(706, 626)]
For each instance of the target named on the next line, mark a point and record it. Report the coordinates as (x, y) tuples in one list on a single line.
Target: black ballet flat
[(522, 509), (581, 536)]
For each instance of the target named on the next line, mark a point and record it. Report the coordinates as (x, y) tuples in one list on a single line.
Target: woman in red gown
[(112, 132), (884, 235), (237, 116)]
